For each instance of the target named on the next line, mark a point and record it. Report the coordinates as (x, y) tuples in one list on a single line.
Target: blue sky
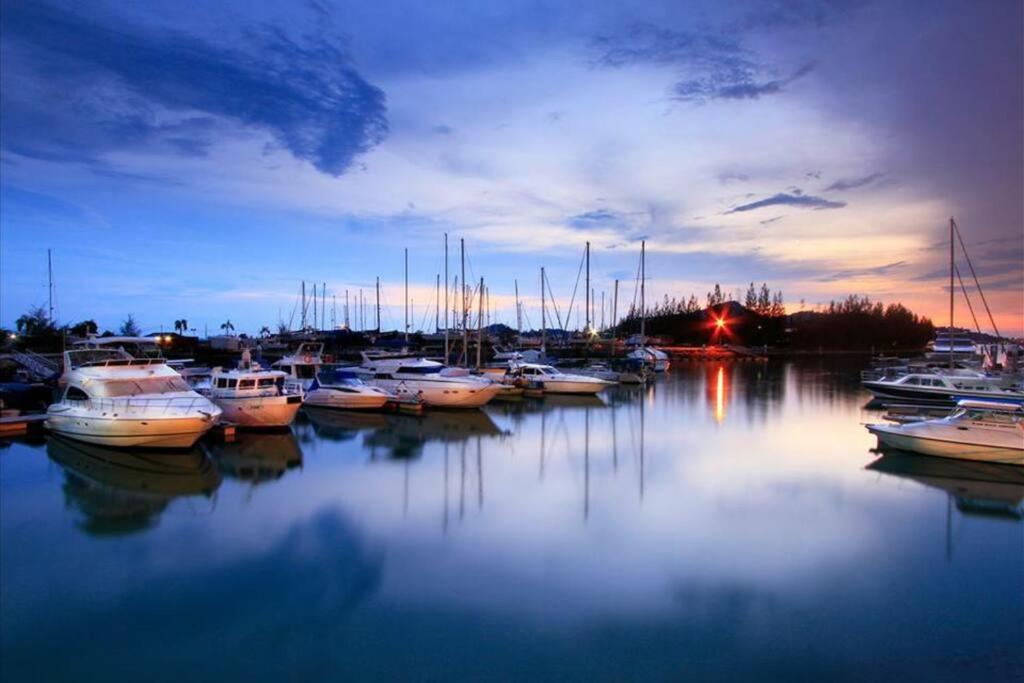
[(201, 161)]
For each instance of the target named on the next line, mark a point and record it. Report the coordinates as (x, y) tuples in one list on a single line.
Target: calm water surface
[(729, 521)]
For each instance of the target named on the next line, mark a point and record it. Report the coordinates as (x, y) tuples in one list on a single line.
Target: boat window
[(305, 371), (286, 368), (265, 382), (246, 384), (76, 394), (420, 369), (135, 387), (911, 380)]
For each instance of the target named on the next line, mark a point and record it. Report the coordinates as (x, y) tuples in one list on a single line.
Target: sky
[(201, 161)]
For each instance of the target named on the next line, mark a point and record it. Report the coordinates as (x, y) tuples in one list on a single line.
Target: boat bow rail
[(180, 404)]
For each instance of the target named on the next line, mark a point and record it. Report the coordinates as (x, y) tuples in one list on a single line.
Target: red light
[(720, 323)]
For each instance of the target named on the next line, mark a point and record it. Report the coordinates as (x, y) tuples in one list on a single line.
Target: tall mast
[(348, 324), (378, 304), (303, 305), (586, 329), (643, 280), (602, 310), (465, 328), (615, 310), (49, 270), (951, 266), (407, 295), (519, 317), (334, 310), (437, 305), (446, 298), (480, 324), (323, 306), (543, 315), (314, 305)]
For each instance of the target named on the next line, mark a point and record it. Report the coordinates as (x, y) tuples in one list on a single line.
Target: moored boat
[(112, 399), (986, 431), (251, 396), (342, 388), (553, 381), (427, 381), (945, 387)]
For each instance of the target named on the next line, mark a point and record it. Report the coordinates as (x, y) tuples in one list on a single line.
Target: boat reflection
[(343, 425), (258, 457), (123, 491), (403, 436), (979, 488)]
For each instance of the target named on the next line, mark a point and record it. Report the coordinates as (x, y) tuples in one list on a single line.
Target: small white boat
[(112, 399), (343, 389), (656, 359), (600, 371), (302, 365), (553, 381), (251, 396), (428, 381), (986, 431)]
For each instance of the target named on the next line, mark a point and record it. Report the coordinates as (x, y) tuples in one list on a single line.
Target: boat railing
[(182, 404)]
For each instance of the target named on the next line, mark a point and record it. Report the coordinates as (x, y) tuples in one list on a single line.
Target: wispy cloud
[(785, 199), (112, 85), (874, 271), (853, 183), (774, 219)]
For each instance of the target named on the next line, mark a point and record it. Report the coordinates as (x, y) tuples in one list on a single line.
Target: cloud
[(745, 88), (783, 199), (595, 218), (79, 87), (853, 183), (863, 272), (774, 219)]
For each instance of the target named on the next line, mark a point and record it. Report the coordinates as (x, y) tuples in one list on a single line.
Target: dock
[(17, 425)]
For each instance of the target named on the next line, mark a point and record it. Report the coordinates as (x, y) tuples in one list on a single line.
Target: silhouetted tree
[(130, 328)]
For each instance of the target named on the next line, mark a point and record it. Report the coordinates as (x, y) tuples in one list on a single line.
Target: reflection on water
[(729, 520), (124, 491)]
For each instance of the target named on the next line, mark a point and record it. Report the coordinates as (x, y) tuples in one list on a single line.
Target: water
[(719, 524)]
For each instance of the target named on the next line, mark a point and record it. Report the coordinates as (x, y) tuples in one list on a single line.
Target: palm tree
[(227, 327), (181, 326)]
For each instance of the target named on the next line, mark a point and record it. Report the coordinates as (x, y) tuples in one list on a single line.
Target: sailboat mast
[(586, 329), (49, 270), (615, 310), (437, 305), (465, 309), (480, 325), (303, 304), (446, 298), (543, 315), (643, 279), (378, 304), (951, 267), (314, 305), (406, 295), (519, 317)]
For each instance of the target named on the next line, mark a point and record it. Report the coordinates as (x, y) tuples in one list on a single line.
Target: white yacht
[(656, 359), (301, 367), (342, 388), (427, 380), (252, 396), (988, 431), (112, 399), (554, 381), (945, 387)]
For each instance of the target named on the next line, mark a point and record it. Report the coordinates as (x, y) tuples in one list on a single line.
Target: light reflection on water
[(723, 522)]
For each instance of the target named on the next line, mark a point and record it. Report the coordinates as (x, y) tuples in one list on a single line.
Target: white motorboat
[(342, 388), (600, 371), (428, 381), (946, 387), (252, 396), (112, 399), (553, 381), (987, 431), (301, 367), (656, 359)]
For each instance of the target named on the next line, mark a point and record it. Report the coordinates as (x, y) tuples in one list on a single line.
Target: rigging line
[(967, 299), (554, 304), (977, 284), (568, 314), (636, 288)]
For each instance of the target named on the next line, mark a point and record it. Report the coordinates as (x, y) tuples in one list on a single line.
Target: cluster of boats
[(113, 398), (985, 421)]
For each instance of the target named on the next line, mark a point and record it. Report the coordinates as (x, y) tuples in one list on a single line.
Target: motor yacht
[(945, 387), (302, 365), (428, 381), (252, 396), (554, 381), (987, 431), (343, 388), (112, 399)]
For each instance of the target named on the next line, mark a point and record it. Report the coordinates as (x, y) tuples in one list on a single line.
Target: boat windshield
[(984, 415), (420, 369), (339, 378), (136, 387)]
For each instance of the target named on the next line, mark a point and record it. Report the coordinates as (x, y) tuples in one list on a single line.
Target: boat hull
[(899, 438), (169, 432), (936, 395), (262, 412), (440, 394), (323, 398), (573, 387)]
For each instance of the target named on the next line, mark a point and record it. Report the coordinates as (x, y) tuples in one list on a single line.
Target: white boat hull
[(554, 386), (339, 400), (259, 411), (440, 394), (152, 432), (898, 437)]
